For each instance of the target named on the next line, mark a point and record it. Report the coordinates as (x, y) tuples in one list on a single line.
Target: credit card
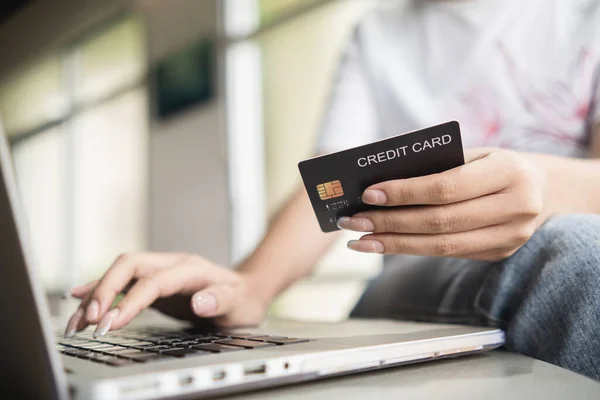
[(335, 182)]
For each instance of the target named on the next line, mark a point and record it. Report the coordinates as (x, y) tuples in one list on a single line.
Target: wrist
[(258, 287), (568, 187)]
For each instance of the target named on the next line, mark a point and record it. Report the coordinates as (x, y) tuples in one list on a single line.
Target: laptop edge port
[(255, 370), (219, 375)]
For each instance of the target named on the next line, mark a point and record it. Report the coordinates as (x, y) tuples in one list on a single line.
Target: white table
[(494, 375)]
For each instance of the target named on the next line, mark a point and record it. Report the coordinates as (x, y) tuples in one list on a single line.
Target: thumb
[(213, 301)]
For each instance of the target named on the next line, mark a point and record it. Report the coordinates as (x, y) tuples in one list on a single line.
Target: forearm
[(290, 249), (572, 185)]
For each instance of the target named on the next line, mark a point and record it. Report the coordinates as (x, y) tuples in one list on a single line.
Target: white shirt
[(515, 74)]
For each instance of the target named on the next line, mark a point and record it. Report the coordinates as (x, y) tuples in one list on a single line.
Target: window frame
[(67, 55), (69, 70)]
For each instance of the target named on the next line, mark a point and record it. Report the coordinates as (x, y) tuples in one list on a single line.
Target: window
[(34, 97), (110, 62), (109, 182), (272, 10), (77, 121), (296, 62), (41, 173)]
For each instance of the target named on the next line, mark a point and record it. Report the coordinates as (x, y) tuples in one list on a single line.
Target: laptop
[(164, 359)]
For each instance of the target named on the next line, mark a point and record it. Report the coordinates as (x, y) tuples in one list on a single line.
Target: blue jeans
[(546, 296)]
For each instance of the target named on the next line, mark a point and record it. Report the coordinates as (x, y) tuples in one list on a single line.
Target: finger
[(118, 276), (213, 301), (491, 255), (484, 175), (478, 153), (77, 322), (82, 324), (444, 245), (85, 302), (451, 218), (182, 278), (124, 290), (74, 322), (81, 290), (83, 295)]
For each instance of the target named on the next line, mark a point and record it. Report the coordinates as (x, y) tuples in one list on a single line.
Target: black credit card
[(335, 182)]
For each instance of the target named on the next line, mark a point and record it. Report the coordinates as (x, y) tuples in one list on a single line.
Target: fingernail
[(204, 303), (357, 224), (91, 313), (73, 322), (366, 246), (106, 322), (373, 196)]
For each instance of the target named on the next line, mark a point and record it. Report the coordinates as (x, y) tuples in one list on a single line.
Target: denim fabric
[(546, 296)]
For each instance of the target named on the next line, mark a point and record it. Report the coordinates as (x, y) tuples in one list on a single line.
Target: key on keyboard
[(128, 346)]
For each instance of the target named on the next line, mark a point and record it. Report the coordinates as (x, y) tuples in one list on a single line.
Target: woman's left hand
[(484, 210)]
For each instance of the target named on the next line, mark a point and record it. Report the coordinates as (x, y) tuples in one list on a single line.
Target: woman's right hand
[(180, 285)]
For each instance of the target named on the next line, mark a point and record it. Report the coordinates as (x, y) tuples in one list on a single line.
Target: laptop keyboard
[(129, 346)]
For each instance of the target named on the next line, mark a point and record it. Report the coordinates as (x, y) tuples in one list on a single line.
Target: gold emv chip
[(330, 190)]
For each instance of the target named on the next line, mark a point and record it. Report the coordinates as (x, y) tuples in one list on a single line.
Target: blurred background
[(170, 126)]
